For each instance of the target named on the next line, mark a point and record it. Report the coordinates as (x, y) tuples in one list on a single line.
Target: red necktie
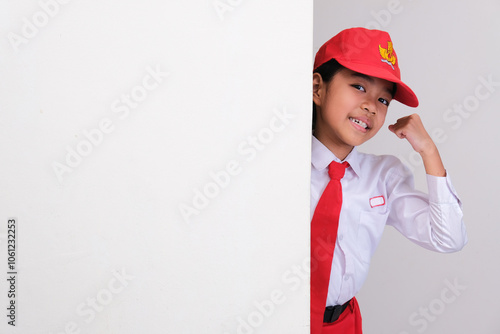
[(324, 225)]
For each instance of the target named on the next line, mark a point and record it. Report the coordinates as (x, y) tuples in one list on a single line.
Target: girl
[(354, 195)]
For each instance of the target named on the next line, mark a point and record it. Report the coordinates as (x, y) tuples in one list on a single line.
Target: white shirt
[(379, 190)]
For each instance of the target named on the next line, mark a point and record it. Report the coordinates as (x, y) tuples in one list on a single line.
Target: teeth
[(357, 121)]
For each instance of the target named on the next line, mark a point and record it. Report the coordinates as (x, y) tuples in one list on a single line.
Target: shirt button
[(346, 278), (341, 237)]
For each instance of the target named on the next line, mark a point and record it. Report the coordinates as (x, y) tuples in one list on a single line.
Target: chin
[(358, 142)]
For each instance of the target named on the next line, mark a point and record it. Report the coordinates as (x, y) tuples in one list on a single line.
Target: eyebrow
[(371, 80)]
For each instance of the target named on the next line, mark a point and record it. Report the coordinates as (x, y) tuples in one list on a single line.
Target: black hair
[(327, 71)]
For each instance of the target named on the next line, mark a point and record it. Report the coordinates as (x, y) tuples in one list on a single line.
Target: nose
[(369, 106)]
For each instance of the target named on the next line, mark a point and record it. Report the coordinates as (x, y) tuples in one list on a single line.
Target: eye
[(359, 87), (384, 101)]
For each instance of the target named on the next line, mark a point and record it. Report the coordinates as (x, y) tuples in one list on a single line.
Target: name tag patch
[(377, 201)]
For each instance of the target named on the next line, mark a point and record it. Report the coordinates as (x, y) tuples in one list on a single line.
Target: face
[(351, 109)]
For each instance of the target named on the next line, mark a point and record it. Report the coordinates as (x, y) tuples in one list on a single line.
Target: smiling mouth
[(360, 123)]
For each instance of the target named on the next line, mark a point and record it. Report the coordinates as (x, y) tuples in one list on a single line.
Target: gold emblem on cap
[(388, 55)]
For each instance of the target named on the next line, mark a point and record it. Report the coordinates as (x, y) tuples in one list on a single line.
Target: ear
[(319, 89)]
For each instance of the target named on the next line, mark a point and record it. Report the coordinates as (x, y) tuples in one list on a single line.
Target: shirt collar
[(321, 156)]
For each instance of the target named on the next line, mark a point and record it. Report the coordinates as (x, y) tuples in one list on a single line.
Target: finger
[(398, 132), (395, 128)]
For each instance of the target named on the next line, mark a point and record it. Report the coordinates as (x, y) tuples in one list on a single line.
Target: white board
[(155, 157)]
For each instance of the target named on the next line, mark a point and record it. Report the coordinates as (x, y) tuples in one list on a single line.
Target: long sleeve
[(433, 221)]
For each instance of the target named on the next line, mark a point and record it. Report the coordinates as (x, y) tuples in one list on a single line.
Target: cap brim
[(404, 94)]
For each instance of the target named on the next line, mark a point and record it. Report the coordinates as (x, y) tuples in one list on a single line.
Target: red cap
[(368, 52)]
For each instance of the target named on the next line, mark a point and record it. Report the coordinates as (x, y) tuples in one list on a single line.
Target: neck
[(341, 151)]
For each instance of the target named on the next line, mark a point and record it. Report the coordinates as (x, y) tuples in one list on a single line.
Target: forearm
[(432, 161)]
